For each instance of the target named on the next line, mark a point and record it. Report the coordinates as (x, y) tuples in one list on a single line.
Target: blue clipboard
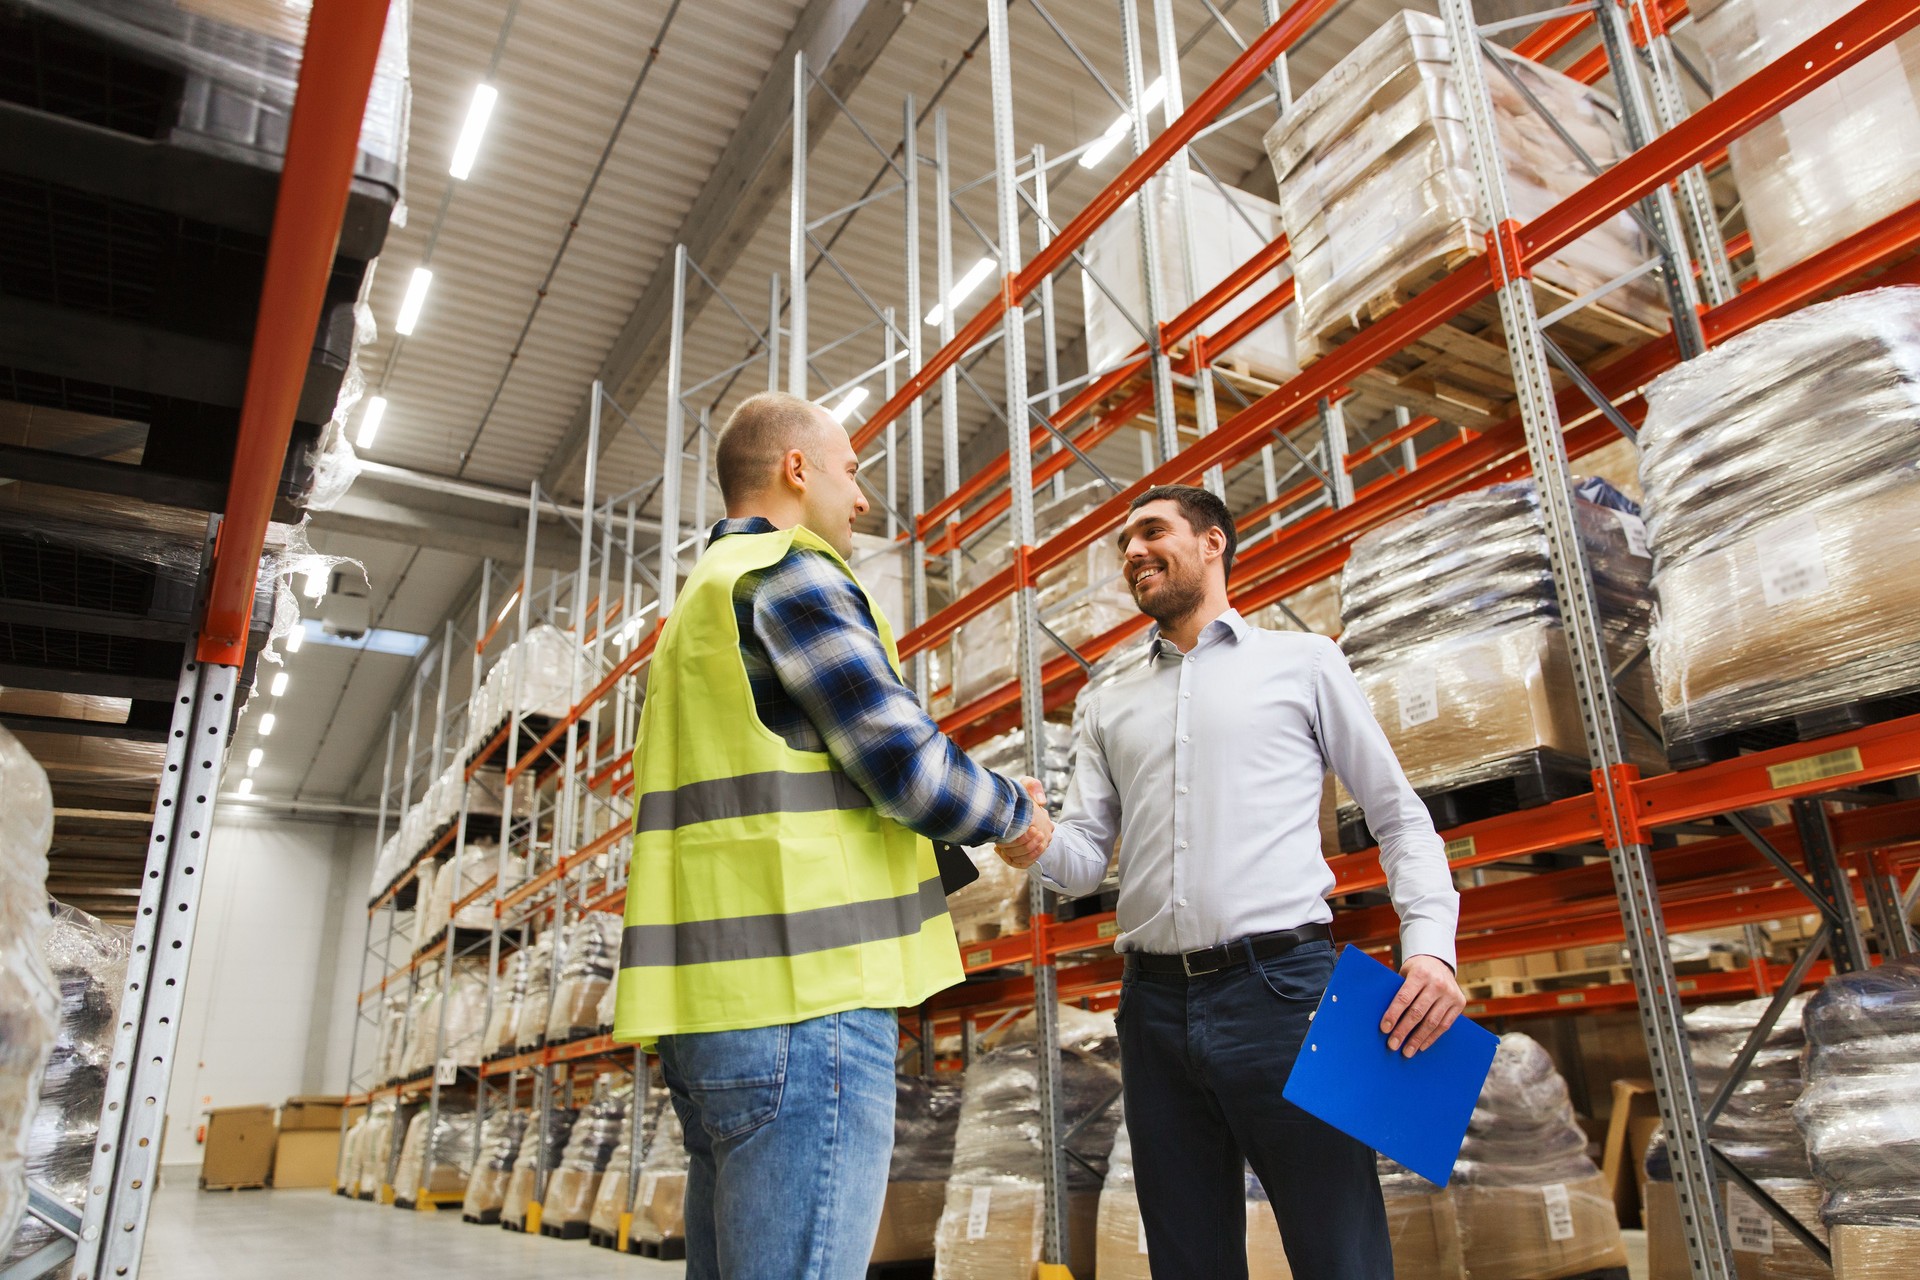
[(1413, 1110)]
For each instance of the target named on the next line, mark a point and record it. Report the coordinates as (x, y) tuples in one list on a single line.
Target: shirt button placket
[(1181, 724)]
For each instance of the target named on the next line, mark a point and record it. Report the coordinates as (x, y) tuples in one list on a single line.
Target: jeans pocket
[(1301, 975), (735, 1078)]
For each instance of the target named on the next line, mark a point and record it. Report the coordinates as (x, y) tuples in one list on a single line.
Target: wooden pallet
[(232, 1186), (1781, 731), (1525, 781), (671, 1250)]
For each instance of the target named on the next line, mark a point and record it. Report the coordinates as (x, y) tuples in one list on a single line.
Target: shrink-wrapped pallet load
[(610, 1198), (593, 955), (538, 675), (1860, 1113), (575, 1182), (1835, 160), (925, 1115), (1229, 228), (1782, 475), (500, 1139), (1453, 629), (509, 999), (659, 1204), (996, 904), (437, 1157), (534, 1004), (991, 1225), (375, 1155), (523, 1183), (1421, 1224), (1378, 191)]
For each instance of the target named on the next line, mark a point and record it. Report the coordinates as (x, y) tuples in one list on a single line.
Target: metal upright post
[(1055, 1244), (702, 455), (1659, 1002), (1049, 341), (796, 247), (773, 332), (916, 412), (1402, 419), (1165, 410), (444, 660), (1283, 98), (1829, 879), (949, 377), (1333, 434), (891, 436), (676, 347)]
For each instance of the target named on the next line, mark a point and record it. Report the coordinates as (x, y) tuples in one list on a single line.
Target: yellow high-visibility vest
[(764, 888)]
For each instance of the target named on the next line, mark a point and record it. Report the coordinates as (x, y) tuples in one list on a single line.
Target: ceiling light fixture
[(848, 403), (416, 298), (317, 578), (370, 421), (464, 151), (246, 786), (965, 285), (266, 725), (255, 756), (296, 638), (1103, 145), (279, 685)]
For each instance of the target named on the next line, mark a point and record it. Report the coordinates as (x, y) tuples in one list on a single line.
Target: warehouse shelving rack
[(1299, 535)]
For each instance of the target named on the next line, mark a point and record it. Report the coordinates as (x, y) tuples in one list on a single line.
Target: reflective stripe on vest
[(760, 937), (747, 796)]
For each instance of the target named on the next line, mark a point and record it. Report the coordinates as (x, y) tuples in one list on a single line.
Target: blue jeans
[(1204, 1060), (789, 1133)]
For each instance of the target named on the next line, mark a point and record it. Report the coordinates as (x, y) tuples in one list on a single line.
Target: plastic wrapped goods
[(1377, 183), (659, 1206), (593, 955), (1840, 158), (1756, 1130), (509, 998), (1860, 1111), (926, 1114), (1120, 1244), (994, 906), (88, 961), (29, 1001), (523, 1183), (992, 1220), (1453, 630), (372, 1154), (1229, 227), (437, 1157), (353, 1148), (531, 1021), (537, 676), (571, 1189), (500, 1139), (1782, 474), (610, 1199)]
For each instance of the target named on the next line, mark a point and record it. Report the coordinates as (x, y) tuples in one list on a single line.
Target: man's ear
[(793, 470)]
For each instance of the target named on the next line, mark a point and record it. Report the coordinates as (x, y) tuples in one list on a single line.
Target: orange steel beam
[(323, 140)]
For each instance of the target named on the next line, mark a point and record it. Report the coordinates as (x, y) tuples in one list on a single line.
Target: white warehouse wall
[(269, 999)]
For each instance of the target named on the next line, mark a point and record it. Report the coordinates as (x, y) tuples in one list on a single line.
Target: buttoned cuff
[(1022, 815), (1424, 938)]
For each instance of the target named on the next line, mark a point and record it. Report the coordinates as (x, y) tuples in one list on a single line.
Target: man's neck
[(1183, 633)]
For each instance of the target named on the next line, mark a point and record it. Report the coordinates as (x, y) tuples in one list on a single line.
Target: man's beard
[(1177, 597)]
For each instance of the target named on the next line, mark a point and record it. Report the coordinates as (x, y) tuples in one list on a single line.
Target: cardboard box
[(1762, 1250), (239, 1151), (1426, 1237), (1876, 1253), (908, 1221), (1633, 1100), (661, 1212), (1120, 1243), (306, 1158), (1538, 1233), (992, 1232), (315, 1113)]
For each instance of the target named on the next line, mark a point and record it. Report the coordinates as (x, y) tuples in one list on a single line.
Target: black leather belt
[(1265, 946)]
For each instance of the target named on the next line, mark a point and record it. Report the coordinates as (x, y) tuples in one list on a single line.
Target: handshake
[(1025, 849)]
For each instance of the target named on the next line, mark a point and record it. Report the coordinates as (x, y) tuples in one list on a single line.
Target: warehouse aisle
[(312, 1235)]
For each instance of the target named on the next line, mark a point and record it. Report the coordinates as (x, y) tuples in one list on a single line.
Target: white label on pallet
[(1791, 565), (446, 1071), (648, 1181), (1750, 1225), (977, 1212), (1143, 1234), (1419, 697), (1636, 530), (1559, 1211)]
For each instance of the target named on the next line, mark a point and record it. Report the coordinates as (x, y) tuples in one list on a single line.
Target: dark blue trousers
[(1204, 1060)]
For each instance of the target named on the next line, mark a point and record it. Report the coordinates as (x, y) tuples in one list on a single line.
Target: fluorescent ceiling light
[(851, 401), (378, 640), (317, 581), (505, 608), (254, 757), (246, 786), (484, 96), (965, 285), (266, 725), (370, 421), (296, 638), (415, 299), (279, 685), (1117, 131)]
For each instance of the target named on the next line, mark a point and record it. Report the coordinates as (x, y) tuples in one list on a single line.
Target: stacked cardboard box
[(307, 1152), (239, 1149), (576, 1181), (926, 1114), (659, 1206), (437, 1158), (523, 1182), (500, 1139)]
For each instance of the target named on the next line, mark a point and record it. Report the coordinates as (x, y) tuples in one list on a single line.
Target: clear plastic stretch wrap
[(509, 999), (610, 1199), (1782, 474), (530, 1019), (353, 1147), (370, 1156), (926, 1114), (1861, 1108), (500, 1139), (602, 1127), (659, 1206), (1120, 1247), (465, 1004), (475, 865), (1377, 184), (88, 961), (1229, 227), (1832, 162), (1756, 1130), (535, 676), (1080, 598), (593, 954), (389, 1051), (997, 904), (1453, 630), (991, 1225), (30, 1003), (524, 1181), (448, 1142)]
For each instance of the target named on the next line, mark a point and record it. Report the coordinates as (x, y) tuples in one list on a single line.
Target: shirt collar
[(740, 524), (1229, 625)]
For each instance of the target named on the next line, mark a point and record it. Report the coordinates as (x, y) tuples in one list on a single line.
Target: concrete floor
[(313, 1235)]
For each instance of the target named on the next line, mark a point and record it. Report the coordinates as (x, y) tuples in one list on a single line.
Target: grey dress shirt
[(1207, 767)]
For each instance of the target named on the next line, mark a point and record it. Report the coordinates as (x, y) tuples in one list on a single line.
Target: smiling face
[(827, 477), (1167, 563)]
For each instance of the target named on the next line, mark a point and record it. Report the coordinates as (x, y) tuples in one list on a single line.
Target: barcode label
[(1636, 530), (977, 1212), (1107, 929), (648, 1181), (1559, 1211), (1460, 847), (975, 959), (1419, 697), (1750, 1225), (1791, 565), (1832, 764)]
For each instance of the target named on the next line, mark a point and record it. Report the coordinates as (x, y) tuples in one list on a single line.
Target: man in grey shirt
[(1205, 763)]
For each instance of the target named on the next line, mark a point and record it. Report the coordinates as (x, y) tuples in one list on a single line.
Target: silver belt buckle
[(1186, 965)]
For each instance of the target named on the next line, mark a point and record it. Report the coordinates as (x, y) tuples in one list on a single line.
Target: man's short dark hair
[(1203, 511), (757, 436)]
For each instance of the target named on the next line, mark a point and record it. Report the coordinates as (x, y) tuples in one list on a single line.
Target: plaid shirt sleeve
[(825, 650)]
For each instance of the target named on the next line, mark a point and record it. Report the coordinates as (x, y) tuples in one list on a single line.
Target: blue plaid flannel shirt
[(821, 681)]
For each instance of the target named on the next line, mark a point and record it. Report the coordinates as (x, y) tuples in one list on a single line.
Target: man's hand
[(1025, 849), (1428, 1002)]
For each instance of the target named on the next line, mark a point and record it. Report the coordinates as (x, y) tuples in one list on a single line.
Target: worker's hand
[(1025, 849), (1428, 1002)]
